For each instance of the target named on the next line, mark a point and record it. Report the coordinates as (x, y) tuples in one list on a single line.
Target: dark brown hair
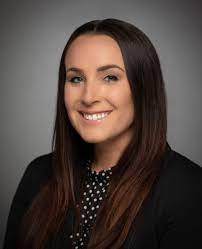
[(139, 164)]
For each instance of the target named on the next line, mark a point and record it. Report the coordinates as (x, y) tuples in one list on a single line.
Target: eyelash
[(115, 78)]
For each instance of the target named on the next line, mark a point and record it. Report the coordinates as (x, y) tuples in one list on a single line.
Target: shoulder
[(180, 173), (40, 167), (35, 175), (37, 172), (178, 202), (179, 190)]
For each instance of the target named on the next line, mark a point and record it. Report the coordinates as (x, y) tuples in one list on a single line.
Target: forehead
[(93, 50)]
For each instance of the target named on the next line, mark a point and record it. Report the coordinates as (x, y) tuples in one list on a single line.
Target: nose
[(90, 93)]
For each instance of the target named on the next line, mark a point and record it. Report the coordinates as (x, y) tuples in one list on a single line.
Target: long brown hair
[(139, 165)]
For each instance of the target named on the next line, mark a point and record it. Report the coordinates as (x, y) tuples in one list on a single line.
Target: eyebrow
[(99, 69)]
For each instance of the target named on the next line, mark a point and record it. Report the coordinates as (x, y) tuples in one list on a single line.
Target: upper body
[(169, 218)]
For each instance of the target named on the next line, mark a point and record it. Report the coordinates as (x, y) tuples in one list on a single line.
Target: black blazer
[(170, 218)]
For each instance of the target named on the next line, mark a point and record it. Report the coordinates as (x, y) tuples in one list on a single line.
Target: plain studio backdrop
[(33, 35)]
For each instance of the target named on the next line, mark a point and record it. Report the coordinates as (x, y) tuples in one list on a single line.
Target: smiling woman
[(111, 180), (95, 95)]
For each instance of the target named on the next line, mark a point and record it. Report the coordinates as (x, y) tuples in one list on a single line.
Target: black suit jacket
[(170, 218)]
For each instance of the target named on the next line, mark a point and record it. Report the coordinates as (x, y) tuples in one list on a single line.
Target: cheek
[(122, 99), (68, 101), (127, 108), (68, 105), (68, 98)]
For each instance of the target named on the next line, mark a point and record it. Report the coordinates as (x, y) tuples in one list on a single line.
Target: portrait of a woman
[(111, 180)]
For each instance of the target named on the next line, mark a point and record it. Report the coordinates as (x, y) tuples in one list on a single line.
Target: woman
[(111, 180)]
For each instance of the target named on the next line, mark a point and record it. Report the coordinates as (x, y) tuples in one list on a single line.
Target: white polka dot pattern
[(95, 190)]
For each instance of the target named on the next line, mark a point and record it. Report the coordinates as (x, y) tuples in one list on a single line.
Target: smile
[(94, 118)]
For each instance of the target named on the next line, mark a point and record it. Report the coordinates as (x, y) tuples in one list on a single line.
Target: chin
[(93, 139)]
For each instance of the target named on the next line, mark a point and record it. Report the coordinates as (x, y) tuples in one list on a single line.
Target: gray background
[(33, 35)]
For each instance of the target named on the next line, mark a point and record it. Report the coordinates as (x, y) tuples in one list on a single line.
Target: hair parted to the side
[(139, 165)]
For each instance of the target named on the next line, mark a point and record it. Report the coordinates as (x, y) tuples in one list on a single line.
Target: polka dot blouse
[(95, 189)]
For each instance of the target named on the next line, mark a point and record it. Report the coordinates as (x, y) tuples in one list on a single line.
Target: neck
[(107, 154)]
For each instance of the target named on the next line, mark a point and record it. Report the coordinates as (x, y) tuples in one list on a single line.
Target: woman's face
[(100, 91)]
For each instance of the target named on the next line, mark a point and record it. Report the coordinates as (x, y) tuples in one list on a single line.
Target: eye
[(73, 79), (111, 77)]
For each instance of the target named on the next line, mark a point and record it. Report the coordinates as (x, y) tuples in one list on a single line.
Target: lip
[(94, 122), (93, 112)]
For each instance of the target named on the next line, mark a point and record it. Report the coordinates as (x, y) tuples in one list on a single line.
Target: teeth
[(95, 116)]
